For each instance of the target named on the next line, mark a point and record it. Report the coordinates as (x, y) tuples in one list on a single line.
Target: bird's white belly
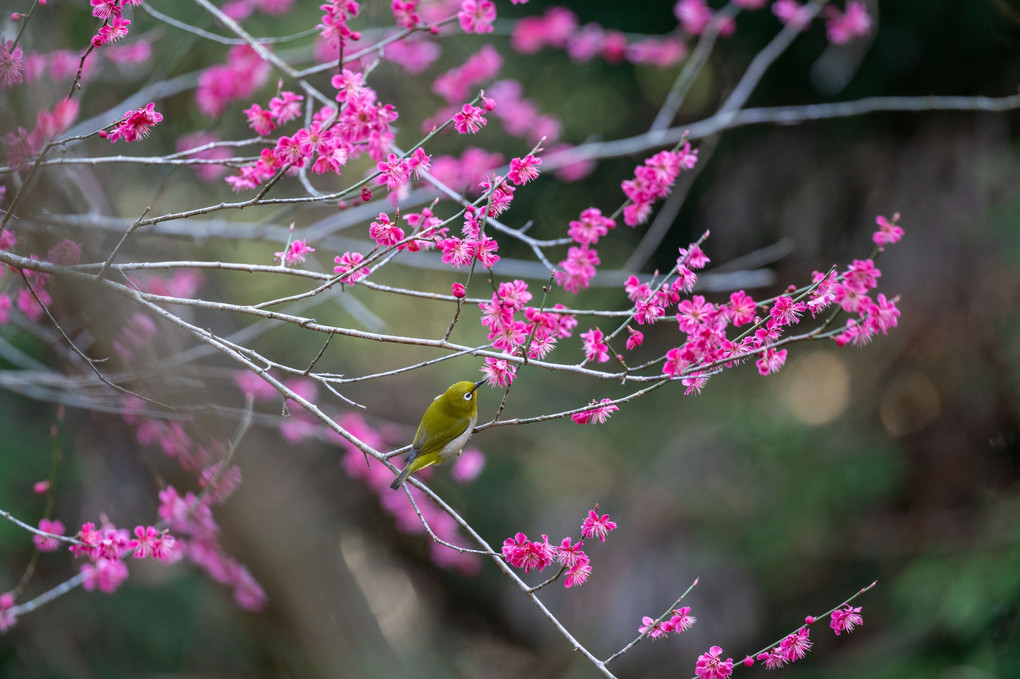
[(456, 446)]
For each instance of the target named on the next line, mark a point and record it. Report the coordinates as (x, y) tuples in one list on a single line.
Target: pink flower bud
[(458, 291), (41, 487)]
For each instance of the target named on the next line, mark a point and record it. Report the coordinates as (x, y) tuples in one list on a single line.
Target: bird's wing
[(426, 442)]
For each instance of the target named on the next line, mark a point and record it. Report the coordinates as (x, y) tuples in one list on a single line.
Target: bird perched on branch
[(445, 428)]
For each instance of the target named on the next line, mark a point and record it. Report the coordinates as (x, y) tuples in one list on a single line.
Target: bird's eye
[(467, 396)]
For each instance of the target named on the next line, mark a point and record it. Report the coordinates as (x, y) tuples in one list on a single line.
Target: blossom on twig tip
[(597, 526)]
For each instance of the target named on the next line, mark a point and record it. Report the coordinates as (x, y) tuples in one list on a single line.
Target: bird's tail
[(401, 477)]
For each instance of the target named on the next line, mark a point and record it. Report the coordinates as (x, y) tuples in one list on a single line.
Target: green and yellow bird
[(445, 428)]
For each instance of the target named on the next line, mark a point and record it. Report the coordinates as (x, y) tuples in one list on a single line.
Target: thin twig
[(436, 538), (120, 244), (31, 529), (658, 621)]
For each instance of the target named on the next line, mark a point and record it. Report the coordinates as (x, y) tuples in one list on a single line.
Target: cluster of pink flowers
[(578, 268), (8, 616), (171, 436), (134, 125), (680, 621), (294, 253), (535, 334), (520, 552), (104, 547), (469, 119), (45, 543), (12, 65), (66, 252), (842, 27), (651, 304), (850, 292), (190, 517), (695, 17), (524, 170), (405, 13), (427, 229), (653, 181), (792, 13), (384, 232), (184, 283), (498, 194), (559, 28), (552, 29), (792, 647), (599, 413), (239, 10), (476, 16), (889, 231), (521, 117), (467, 172), (332, 139), (795, 646), (115, 26), (456, 84), (576, 271), (589, 227), (595, 348), (427, 232), (396, 172), (705, 323), (20, 144), (710, 665), (333, 29), (499, 372), (64, 63), (458, 252), (282, 109), (414, 54), (845, 618), (136, 333), (351, 267), (220, 85)]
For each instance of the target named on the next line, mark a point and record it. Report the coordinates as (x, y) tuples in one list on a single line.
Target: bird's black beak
[(478, 384)]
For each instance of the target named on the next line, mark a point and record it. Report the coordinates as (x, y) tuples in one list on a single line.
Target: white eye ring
[(467, 396)]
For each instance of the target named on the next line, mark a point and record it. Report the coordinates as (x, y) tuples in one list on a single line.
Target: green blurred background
[(897, 462)]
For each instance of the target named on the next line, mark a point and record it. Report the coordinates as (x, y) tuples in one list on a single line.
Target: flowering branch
[(343, 151)]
